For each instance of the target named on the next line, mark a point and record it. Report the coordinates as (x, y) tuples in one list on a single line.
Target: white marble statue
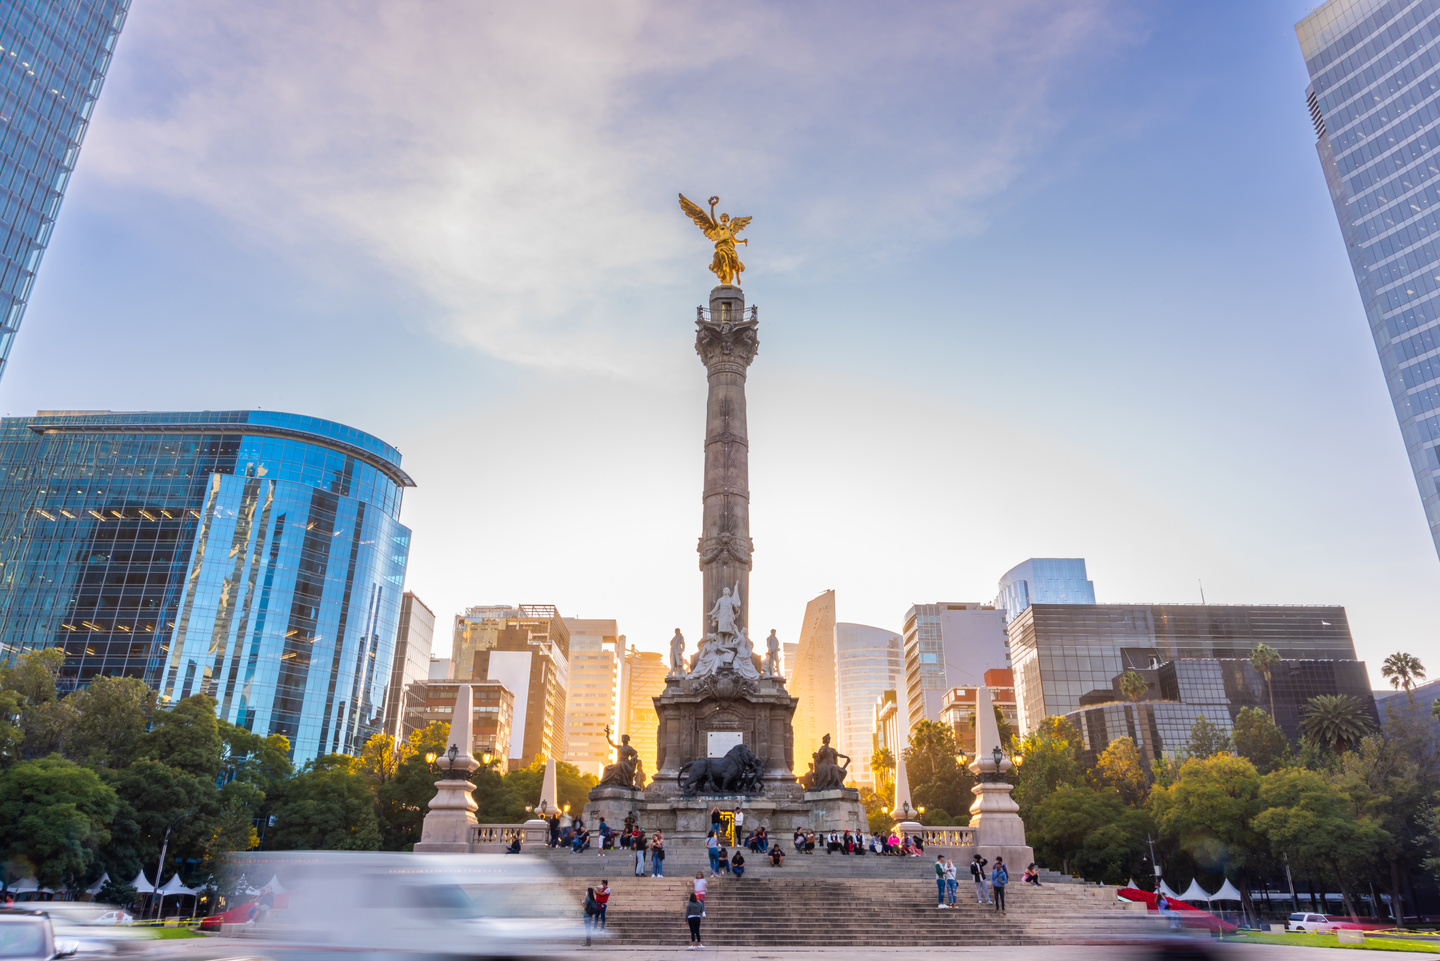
[(772, 655), (725, 609), (677, 654)]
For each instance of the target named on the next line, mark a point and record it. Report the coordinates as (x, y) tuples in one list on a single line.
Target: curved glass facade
[(253, 556), (868, 662)]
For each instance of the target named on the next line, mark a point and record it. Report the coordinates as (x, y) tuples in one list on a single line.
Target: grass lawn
[(160, 934), (1373, 942)]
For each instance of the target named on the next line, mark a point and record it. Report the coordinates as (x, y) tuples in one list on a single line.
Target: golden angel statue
[(726, 265)]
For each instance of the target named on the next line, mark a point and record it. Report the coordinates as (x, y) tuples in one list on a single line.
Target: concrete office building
[(439, 668), (527, 649), (253, 556), (1069, 657), (53, 58), (812, 679), (1374, 98), (405, 697), (889, 729), (868, 662), (493, 712), (642, 678), (1044, 580), (949, 645), (590, 700)]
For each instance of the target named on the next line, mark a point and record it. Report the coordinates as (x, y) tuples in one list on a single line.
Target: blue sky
[(1035, 279)]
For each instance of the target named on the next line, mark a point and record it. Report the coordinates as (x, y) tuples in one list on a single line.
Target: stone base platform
[(686, 820)]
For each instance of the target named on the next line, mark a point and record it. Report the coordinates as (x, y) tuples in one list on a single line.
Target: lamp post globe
[(999, 756), (452, 754)]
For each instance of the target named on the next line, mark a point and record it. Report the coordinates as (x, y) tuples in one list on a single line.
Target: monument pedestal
[(449, 825), (836, 810)]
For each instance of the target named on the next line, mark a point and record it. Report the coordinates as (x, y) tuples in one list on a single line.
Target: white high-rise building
[(590, 701), (868, 662), (949, 645)]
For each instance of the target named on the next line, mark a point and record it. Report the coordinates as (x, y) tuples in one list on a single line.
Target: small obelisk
[(447, 827), (995, 816)]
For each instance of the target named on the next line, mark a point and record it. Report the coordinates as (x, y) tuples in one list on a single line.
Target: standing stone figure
[(772, 655), (829, 772), (725, 609), (625, 772), (677, 654)]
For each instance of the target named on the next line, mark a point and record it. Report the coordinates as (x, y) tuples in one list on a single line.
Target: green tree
[(1403, 671), (521, 788), (1092, 830), (1208, 814), (1335, 722), (54, 814), (1260, 739), (12, 735), (1120, 767), (932, 751), (1308, 819), (1052, 757), (45, 720), (187, 737), (1206, 738), (153, 796), (882, 767), (327, 806), (110, 718), (1263, 659), (1007, 733), (379, 759), (877, 810), (1133, 685)]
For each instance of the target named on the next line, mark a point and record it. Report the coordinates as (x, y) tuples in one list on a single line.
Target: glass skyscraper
[(253, 556), (53, 58), (1044, 580), (868, 662), (1374, 97)]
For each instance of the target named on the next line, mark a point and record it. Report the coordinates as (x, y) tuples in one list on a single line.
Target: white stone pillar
[(447, 827), (995, 816)]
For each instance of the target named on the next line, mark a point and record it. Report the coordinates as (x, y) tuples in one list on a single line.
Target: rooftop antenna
[(1202, 589)]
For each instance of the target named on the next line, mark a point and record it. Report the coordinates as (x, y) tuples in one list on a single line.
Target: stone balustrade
[(948, 837), (494, 833)]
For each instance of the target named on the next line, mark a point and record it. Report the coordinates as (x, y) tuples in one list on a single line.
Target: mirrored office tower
[(53, 57), (1374, 98), (252, 556)]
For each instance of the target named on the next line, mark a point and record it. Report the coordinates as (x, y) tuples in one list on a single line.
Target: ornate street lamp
[(430, 759), (454, 753), (999, 756)]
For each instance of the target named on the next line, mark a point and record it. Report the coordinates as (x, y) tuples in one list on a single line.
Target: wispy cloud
[(519, 162)]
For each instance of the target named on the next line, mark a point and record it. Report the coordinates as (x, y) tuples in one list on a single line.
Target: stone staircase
[(842, 910)]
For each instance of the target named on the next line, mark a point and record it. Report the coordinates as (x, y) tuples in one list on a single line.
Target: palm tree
[(882, 765), (1263, 657), (1335, 721), (1403, 670), (1133, 685)]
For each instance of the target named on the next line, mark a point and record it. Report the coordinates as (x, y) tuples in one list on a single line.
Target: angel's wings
[(697, 213), (738, 224)]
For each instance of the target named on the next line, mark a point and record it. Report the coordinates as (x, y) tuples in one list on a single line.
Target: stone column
[(726, 341), (995, 816)]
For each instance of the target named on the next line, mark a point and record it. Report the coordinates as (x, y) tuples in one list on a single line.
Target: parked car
[(29, 936)]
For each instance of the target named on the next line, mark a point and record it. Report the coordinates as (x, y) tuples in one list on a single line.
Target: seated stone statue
[(829, 774), (625, 772)]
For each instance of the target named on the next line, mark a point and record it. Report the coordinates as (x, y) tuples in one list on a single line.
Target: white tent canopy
[(174, 886), (94, 889), (275, 886), (142, 884), (25, 886), (1227, 892), (1195, 892), (1168, 891), (1132, 884)]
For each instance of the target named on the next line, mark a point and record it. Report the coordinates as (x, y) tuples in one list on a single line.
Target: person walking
[(999, 877), (712, 848), (977, 874), (592, 910), (602, 898), (950, 882), (940, 881), (657, 855), (694, 911)]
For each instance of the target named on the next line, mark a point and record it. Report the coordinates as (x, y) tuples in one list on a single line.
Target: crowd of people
[(644, 850)]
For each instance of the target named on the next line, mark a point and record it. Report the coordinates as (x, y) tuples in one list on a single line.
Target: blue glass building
[(1044, 580), (53, 57), (1374, 98), (253, 556)]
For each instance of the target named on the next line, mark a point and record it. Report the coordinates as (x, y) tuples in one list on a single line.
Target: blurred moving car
[(29, 936), (1319, 923), (373, 906)]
